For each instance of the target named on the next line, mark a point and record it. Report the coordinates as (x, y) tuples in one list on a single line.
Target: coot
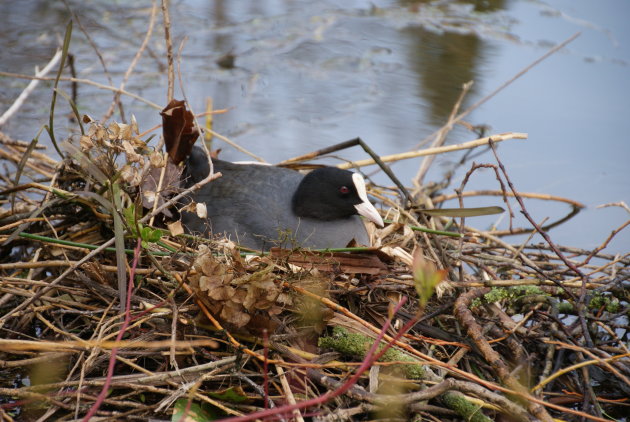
[(260, 206)]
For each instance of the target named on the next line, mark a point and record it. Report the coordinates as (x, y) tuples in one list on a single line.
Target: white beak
[(365, 208)]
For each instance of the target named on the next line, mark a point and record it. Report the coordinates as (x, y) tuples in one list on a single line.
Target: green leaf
[(232, 395), (130, 214), (464, 212), (131, 217), (426, 277), (155, 235), (150, 235), (51, 119), (193, 413), (145, 232)]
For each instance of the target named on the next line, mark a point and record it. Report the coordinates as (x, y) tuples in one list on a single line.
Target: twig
[(121, 332), (601, 247), (318, 153), (581, 303), (102, 247), (371, 357), (287, 391), (133, 63), (542, 196), (366, 148), (266, 398), (474, 331), (75, 16), (584, 363), (506, 84), (29, 88), (449, 384), (430, 151), (6, 140), (621, 204), (87, 82), (235, 145), (441, 137), (169, 51)]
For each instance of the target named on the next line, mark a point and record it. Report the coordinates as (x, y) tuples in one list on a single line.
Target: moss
[(565, 308), (354, 344), (467, 410), (510, 293), (611, 304)]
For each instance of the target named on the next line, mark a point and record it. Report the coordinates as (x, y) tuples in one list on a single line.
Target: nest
[(103, 311), (108, 310)]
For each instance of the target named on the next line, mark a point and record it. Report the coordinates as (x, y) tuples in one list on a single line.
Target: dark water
[(310, 74)]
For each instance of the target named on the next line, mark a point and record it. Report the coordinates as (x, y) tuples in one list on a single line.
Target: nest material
[(211, 333)]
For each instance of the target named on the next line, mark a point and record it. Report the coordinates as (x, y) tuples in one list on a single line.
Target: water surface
[(310, 74)]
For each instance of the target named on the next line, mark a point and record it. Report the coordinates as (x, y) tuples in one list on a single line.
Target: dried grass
[(187, 326), (502, 334)]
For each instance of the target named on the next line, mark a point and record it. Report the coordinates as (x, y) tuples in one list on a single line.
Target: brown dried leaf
[(355, 263), (266, 294), (114, 131), (134, 125), (130, 175), (86, 143), (235, 299), (178, 127), (221, 293), (125, 131), (206, 283), (170, 185), (204, 258), (275, 310), (100, 136), (157, 159), (285, 299), (233, 314), (175, 228), (130, 152), (239, 296)]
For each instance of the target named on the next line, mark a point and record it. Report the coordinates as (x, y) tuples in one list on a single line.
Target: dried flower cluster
[(116, 151), (234, 291), (104, 144)]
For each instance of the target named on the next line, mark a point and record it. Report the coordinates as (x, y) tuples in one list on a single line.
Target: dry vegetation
[(105, 313)]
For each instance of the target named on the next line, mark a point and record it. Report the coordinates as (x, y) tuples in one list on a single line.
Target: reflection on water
[(444, 62), (309, 74)]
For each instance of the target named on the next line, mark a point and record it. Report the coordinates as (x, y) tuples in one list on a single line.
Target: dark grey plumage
[(256, 205)]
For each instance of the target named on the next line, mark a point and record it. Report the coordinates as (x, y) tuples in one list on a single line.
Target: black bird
[(260, 206)]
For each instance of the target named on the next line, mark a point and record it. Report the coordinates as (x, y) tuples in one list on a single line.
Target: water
[(311, 74)]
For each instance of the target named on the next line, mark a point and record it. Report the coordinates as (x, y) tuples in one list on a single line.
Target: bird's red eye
[(344, 190)]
